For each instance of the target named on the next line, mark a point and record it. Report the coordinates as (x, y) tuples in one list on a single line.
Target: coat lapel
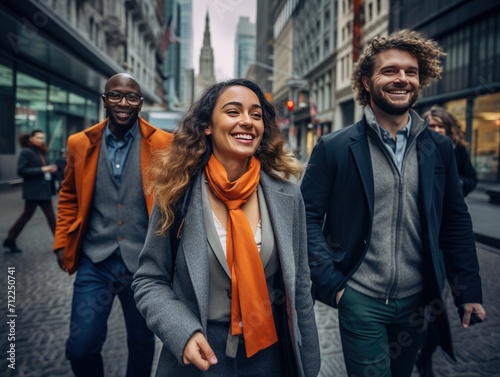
[(278, 204), (195, 249), (88, 169), (361, 152), (426, 150)]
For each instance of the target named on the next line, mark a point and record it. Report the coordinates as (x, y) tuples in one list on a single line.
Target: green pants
[(380, 338)]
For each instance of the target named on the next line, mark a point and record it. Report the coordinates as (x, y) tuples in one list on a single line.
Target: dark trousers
[(95, 287), (380, 338), (266, 362), (29, 210)]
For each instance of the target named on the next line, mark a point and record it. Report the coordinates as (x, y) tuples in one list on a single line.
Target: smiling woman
[(243, 237), (236, 129)]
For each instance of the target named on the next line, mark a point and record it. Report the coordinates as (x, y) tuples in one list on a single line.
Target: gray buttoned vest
[(118, 217)]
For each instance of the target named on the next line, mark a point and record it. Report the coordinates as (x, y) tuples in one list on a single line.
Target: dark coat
[(35, 186), (339, 183), (466, 171)]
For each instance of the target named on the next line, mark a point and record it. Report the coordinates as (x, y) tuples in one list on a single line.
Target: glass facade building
[(244, 46), (55, 58), (469, 33)]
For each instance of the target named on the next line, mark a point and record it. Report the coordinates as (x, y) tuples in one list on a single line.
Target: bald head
[(122, 79), (122, 99)]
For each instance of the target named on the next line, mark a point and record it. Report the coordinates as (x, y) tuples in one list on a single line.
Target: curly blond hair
[(173, 168), (427, 52)]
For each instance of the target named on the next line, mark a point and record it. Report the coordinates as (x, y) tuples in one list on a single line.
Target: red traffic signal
[(290, 105)]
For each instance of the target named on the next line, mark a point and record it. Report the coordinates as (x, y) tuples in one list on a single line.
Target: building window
[(485, 149)]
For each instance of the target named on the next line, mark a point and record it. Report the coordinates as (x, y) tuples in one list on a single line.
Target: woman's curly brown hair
[(450, 123), (427, 52), (173, 168)]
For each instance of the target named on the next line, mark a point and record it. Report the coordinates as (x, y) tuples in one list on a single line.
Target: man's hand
[(60, 259), (474, 310), (199, 352), (339, 295)]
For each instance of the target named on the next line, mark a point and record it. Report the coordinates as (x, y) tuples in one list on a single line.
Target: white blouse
[(222, 233)]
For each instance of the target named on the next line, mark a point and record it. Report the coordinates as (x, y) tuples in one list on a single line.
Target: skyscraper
[(206, 76), (179, 56), (186, 58), (244, 46)]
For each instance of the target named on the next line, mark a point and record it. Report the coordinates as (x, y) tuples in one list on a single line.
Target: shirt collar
[(372, 121), (130, 134)]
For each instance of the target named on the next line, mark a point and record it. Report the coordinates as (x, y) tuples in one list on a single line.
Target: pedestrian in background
[(102, 223), (387, 221), (38, 185), (443, 122), (234, 299)]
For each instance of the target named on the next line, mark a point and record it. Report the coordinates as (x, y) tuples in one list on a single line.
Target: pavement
[(43, 299)]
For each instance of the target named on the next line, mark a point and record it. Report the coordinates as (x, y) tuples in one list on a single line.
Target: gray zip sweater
[(393, 265)]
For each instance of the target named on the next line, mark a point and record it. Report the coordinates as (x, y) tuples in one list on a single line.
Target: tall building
[(358, 22), (206, 76), (186, 60), (283, 70), (178, 57), (55, 57), (315, 53), (263, 73), (244, 46)]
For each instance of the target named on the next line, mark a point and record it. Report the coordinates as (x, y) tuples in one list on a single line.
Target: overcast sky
[(224, 16)]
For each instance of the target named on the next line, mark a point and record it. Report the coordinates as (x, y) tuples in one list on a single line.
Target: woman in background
[(38, 185), (443, 122)]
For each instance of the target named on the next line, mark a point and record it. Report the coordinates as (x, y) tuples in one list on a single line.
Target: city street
[(43, 297)]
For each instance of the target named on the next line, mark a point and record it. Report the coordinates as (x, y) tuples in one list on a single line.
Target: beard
[(385, 104)]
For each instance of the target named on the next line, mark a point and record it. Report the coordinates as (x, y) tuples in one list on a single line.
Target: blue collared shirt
[(398, 146), (118, 149)]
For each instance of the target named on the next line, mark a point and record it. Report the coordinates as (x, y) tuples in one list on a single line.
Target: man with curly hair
[(387, 222)]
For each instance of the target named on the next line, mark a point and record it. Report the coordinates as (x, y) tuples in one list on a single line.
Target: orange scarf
[(251, 312)]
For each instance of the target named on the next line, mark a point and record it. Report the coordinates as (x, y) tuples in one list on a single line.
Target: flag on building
[(313, 111), (168, 36), (356, 30)]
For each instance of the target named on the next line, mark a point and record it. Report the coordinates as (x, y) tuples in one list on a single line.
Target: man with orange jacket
[(103, 214)]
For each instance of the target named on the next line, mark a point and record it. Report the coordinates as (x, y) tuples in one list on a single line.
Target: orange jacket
[(77, 190)]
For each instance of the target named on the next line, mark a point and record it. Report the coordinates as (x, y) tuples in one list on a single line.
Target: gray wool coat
[(175, 311)]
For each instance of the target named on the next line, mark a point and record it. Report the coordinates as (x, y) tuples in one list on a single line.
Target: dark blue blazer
[(338, 183)]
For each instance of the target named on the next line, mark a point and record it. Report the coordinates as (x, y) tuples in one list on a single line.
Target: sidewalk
[(485, 217)]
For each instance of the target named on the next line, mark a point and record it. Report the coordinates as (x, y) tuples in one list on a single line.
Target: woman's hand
[(199, 352), (49, 168)]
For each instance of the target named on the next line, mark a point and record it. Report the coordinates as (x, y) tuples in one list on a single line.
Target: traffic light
[(290, 105)]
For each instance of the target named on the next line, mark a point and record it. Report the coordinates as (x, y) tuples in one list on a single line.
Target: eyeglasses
[(115, 97)]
